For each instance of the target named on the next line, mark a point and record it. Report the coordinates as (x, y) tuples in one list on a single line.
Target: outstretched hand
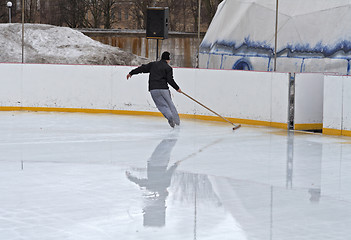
[(179, 90), (129, 76)]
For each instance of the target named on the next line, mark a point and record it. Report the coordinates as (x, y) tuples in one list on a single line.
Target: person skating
[(161, 74)]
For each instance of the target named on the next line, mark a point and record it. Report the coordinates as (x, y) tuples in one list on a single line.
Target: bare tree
[(95, 8), (4, 17), (31, 11), (50, 12), (210, 10), (175, 14), (184, 8), (32, 8), (153, 3), (97, 13), (139, 12), (75, 12), (108, 9), (194, 11)]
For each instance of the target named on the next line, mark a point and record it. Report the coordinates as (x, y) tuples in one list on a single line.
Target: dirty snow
[(60, 45)]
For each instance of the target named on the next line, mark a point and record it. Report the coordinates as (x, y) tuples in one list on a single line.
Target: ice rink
[(101, 177)]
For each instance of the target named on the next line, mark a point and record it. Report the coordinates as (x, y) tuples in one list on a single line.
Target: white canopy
[(318, 26)]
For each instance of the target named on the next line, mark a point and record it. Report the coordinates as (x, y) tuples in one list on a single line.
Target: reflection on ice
[(157, 181), (113, 177), (310, 152), (257, 210)]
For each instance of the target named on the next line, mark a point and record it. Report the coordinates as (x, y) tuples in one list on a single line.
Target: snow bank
[(62, 45)]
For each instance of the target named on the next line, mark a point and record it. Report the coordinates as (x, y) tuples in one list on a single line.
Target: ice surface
[(99, 176)]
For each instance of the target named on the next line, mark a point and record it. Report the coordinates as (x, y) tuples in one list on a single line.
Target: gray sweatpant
[(164, 103)]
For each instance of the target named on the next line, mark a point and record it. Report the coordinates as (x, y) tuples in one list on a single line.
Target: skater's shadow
[(158, 179)]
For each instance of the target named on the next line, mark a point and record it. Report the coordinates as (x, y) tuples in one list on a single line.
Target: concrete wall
[(259, 98), (337, 105)]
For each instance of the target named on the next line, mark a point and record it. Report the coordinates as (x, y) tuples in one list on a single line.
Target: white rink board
[(347, 104), (247, 95), (237, 94), (332, 108), (308, 98), (11, 84), (65, 87), (337, 103)]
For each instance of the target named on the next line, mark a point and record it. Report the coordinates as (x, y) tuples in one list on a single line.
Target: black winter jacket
[(160, 74)]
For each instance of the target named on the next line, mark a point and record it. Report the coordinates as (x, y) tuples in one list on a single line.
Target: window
[(127, 15), (119, 15)]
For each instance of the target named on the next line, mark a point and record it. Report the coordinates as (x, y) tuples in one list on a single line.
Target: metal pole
[(199, 21), (195, 209), (198, 35), (22, 31), (271, 227), (157, 50), (291, 102), (9, 15), (276, 37), (9, 6)]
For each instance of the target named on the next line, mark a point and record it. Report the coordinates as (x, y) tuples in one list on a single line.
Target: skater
[(161, 74)]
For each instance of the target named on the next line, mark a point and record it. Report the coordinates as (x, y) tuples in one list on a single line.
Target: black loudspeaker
[(157, 23)]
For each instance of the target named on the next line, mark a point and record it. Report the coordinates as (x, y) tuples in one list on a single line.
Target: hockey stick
[(235, 126)]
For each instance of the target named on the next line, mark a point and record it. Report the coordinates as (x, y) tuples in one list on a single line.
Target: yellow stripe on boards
[(236, 120), (308, 126), (346, 133), (10, 108), (80, 110), (145, 113), (330, 131), (336, 132), (279, 125), (190, 116)]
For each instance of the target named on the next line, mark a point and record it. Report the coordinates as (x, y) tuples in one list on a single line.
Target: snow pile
[(61, 45)]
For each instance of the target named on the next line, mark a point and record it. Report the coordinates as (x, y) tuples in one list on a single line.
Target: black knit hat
[(165, 56)]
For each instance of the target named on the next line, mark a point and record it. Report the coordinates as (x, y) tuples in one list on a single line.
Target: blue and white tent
[(312, 36)]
